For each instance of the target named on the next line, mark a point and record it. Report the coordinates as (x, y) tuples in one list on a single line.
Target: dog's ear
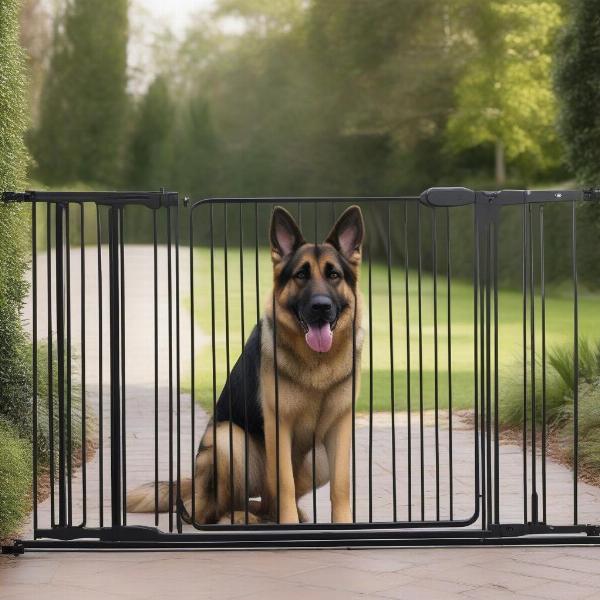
[(348, 233), (286, 237)]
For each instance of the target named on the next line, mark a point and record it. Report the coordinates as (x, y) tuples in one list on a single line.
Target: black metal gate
[(421, 472)]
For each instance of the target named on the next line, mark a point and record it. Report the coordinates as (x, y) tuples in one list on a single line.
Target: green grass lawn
[(559, 330)]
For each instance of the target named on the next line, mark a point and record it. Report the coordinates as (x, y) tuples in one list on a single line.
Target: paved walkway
[(423, 573)]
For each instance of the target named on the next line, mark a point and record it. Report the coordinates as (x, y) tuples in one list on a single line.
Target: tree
[(15, 388), (577, 80), (84, 101), (505, 96), (328, 96), (387, 70), (36, 39), (195, 155), (149, 149)]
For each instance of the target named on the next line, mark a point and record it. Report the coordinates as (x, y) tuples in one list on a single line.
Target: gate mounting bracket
[(12, 197), (15, 550)]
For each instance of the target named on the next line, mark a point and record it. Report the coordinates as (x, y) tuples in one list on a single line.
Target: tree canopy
[(505, 96), (577, 79), (308, 96), (84, 104)]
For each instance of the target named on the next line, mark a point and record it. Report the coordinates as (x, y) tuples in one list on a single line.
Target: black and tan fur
[(314, 389)]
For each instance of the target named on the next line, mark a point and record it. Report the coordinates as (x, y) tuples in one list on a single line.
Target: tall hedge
[(84, 103), (15, 480), (14, 232), (578, 89)]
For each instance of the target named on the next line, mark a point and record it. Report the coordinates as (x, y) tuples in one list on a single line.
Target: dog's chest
[(313, 390), (312, 411)]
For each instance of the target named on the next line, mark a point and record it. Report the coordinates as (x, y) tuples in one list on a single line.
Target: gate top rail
[(432, 197), (459, 196), (295, 199), (156, 199)]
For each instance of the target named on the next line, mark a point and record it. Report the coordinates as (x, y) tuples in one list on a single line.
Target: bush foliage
[(14, 235), (560, 385), (14, 232), (560, 382), (15, 479), (43, 412)]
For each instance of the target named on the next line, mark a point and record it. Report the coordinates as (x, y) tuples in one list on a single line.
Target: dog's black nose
[(321, 306)]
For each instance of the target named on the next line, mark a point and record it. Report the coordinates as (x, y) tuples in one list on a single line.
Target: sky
[(149, 18), (174, 13)]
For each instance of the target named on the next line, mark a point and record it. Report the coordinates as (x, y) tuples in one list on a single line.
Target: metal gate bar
[(484, 526)]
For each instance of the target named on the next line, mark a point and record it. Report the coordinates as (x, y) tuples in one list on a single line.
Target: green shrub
[(560, 406), (15, 479), (511, 396), (589, 426), (43, 404), (560, 377), (563, 362), (19, 409), (12, 98), (15, 442), (15, 373)]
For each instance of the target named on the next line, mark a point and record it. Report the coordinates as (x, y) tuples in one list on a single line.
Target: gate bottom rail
[(147, 538)]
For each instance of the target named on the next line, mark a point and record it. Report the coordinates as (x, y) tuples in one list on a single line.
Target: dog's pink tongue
[(319, 337)]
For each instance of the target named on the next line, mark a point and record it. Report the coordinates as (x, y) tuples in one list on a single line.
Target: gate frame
[(487, 205)]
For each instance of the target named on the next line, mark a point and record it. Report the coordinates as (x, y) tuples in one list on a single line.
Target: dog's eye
[(334, 275), (301, 275)]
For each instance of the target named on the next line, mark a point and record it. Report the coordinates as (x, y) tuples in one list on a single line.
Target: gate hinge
[(591, 194), (15, 550), (593, 530), (520, 529)]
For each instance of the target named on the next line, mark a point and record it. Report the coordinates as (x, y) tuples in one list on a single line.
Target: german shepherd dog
[(315, 312)]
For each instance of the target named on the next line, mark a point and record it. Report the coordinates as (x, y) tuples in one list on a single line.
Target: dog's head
[(316, 284)]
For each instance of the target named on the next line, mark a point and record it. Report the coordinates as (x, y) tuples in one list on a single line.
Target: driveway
[(404, 573)]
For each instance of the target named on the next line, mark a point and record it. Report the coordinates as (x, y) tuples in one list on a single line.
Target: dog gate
[(133, 342)]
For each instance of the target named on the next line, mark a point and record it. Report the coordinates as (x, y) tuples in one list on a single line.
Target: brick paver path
[(423, 573)]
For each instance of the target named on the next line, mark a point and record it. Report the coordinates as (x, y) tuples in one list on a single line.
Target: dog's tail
[(143, 499)]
